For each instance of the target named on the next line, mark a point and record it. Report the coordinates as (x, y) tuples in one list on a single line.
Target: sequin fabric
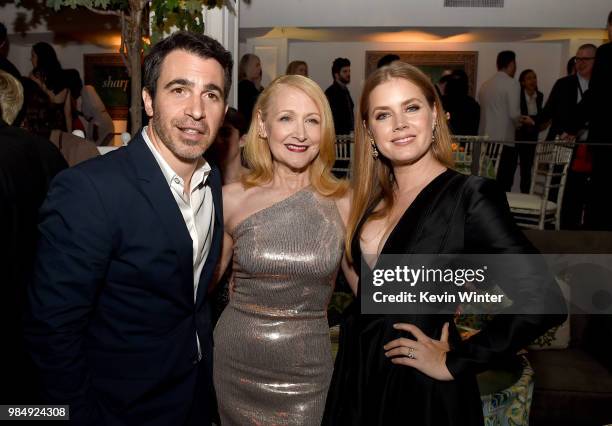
[(272, 358)]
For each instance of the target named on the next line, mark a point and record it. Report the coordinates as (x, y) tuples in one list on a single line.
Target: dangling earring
[(374, 149), (433, 134)]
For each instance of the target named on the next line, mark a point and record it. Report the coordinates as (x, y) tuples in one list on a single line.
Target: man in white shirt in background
[(500, 114)]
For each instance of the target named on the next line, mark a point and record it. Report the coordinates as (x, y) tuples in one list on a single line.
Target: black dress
[(452, 214)]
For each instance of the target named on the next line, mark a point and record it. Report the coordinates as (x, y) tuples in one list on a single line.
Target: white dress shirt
[(500, 107), (196, 207), (532, 103)]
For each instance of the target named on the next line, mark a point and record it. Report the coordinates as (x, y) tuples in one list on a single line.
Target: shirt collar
[(584, 83), (532, 97), (199, 175)]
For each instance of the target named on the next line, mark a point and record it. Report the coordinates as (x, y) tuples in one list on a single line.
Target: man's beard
[(183, 150)]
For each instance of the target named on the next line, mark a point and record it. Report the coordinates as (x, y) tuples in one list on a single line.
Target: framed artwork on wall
[(432, 63), (108, 74)]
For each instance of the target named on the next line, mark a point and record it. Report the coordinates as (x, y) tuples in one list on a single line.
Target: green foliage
[(180, 14), (118, 5)]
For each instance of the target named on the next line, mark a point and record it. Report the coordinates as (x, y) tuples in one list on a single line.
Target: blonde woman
[(400, 369), (284, 223), (297, 67)]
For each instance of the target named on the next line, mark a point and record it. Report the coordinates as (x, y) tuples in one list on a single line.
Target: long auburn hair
[(373, 179), (257, 151)]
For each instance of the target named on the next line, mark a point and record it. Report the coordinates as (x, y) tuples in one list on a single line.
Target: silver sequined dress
[(272, 358)]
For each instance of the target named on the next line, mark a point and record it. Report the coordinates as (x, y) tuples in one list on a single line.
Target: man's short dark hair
[(505, 58), (610, 18), (198, 44), (338, 64), (588, 46), (387, 59)]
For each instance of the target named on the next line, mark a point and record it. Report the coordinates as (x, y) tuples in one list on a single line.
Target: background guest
[(531, 105), (387, 59), (5, 64), (339, 97), (463, 109), (249, 84), (500, 114), (226, 151), (559, 111), (37, 119), (90, 110), (27, 165), (49, 75), (297, 67)]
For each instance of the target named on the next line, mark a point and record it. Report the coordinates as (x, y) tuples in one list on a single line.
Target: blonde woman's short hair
[(11, 97)]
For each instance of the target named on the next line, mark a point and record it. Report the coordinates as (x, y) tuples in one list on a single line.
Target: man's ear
[(147, 100), (242, 141)]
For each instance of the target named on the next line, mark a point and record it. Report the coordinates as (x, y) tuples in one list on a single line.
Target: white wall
[(422, 13)]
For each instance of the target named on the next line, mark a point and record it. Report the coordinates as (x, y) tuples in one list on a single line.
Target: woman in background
[(531, 105), (49, 75), (226, 151), (297, 67), (413, 368), (284, 223), (249, 84), (36, 117)]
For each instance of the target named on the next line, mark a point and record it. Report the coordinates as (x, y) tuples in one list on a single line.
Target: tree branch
[(123, 49), (102, 12)]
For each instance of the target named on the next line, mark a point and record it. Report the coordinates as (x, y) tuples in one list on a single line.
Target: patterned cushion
[(557, 337)]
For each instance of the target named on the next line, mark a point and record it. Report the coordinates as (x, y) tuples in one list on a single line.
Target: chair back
[(490, 153), (463, 149), (344, 155), (549, 171)]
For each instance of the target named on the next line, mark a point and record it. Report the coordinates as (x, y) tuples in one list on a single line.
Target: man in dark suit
[(120, 320), (27, 165), (595, 110), (560, 110), (5, 64), (567, 92), (339, 97), (598, 110)]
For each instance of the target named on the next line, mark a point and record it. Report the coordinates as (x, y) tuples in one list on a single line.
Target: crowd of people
[(115, 283)]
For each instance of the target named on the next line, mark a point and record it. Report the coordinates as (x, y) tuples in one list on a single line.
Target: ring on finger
[(411, 353)]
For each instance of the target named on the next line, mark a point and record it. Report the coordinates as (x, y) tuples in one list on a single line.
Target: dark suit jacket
[(113, 321), (6, 65), (341, 105), (247, 97), (525, 132), (561, 106), (598, 99), (27, 165)]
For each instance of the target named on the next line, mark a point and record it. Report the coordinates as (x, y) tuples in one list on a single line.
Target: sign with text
[(108, 74)]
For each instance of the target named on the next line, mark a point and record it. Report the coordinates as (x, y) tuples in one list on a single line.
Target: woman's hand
[(425, 354)]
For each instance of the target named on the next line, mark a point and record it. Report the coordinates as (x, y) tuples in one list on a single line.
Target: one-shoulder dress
[(272, 356)]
